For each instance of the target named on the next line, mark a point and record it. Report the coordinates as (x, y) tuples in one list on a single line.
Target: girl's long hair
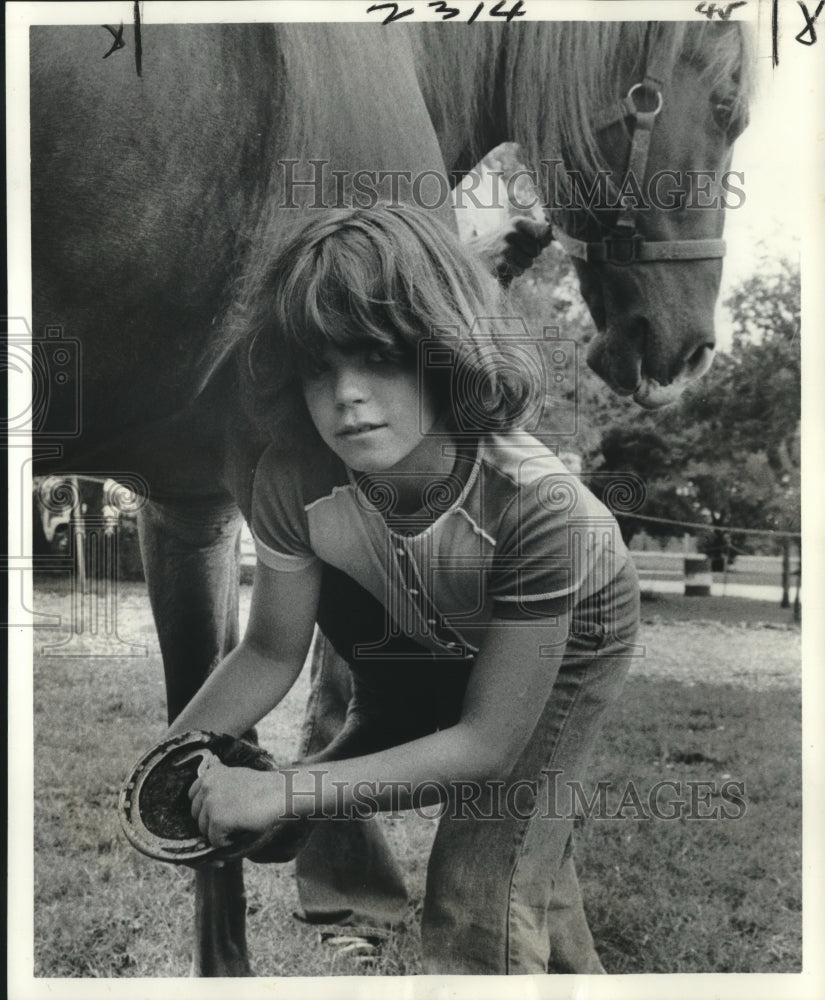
[(391, 278)]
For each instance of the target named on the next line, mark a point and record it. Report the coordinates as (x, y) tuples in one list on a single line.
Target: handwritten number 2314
[(448, 12)]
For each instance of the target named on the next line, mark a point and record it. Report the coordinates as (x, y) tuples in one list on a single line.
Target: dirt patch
[(716, 653)]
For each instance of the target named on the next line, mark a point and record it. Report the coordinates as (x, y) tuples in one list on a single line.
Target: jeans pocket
[(586, 636)]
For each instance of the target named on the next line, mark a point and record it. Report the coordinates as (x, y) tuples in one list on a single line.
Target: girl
[(481, 596)]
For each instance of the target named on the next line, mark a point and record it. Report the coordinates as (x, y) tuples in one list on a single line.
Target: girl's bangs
[(326, 303)]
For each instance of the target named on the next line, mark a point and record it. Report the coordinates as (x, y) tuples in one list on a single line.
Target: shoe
[(365, 950)]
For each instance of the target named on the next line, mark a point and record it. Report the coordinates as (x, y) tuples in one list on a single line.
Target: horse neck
[(458, 72)]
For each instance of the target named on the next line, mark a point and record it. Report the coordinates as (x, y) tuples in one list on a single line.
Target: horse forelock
[(560, 75), (726, 55)]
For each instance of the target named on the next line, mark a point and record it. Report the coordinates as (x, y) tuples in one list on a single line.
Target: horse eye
[(732, 122), (723, 114)]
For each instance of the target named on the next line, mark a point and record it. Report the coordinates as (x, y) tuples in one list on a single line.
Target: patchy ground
[(708, 701)]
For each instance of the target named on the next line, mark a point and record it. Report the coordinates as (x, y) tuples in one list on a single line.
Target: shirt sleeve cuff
[(530, 608), (282, 561)]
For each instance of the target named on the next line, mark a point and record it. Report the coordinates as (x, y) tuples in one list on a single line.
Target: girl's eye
[(315, 370), (377, 357), (386, 357)]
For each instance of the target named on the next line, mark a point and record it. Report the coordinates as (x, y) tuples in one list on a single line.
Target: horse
[(568, 94), (159, 185)]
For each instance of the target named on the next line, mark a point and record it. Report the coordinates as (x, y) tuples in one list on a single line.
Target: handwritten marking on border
[(808, 34), (500, 9), (722, 10)]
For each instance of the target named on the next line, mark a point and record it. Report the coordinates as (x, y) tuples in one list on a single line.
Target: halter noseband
[(623, 244)]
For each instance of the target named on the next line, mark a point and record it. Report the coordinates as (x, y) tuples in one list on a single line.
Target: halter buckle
[(620, 249), (637, 88)]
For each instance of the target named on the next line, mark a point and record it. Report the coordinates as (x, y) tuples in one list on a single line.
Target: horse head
[(640, 135)]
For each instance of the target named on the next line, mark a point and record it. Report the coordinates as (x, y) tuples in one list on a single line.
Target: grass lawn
[(677, 895), (730, 610), (693, 894)]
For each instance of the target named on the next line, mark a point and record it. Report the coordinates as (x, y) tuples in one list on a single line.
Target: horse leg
[(348, 880), (191, 557)]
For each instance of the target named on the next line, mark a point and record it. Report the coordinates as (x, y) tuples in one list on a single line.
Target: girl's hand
[(233, 802)]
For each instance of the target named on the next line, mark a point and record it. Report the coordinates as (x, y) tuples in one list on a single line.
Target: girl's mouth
[(359, 429)]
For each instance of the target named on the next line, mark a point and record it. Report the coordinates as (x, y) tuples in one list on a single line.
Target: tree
[(645, 453), (741, 423)]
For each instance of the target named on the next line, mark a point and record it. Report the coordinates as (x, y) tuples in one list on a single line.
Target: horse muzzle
[(631, 366), (652, 395)]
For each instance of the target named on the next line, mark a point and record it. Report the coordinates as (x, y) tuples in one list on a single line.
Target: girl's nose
[(350, 386)]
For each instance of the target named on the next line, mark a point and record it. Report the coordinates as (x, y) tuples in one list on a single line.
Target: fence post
[(698, 577), (78, 535), (786, 573), (797, 607)]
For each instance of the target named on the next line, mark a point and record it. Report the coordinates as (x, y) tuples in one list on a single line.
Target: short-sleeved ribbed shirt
[(513, 532)]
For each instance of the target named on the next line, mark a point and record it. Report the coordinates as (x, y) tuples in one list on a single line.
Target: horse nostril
[(700, 360)]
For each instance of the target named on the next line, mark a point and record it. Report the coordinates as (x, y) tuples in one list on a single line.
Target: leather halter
[(623, 244)]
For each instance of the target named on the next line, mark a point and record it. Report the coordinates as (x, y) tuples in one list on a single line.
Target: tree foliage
[(741, 442), (728, 452)]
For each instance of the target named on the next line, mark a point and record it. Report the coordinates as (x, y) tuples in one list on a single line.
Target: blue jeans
[(502, 895)]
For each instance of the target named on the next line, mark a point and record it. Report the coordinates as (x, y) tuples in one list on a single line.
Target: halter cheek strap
[(623, 244)]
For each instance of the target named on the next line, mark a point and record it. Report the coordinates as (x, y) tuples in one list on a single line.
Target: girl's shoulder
[(521, 457), (537, 481), (301, 475)]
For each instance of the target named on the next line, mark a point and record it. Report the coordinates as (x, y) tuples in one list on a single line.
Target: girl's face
[(368, 408)]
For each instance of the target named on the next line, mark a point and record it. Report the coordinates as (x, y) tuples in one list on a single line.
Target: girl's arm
[(257, 674), (508, 688), (509, 685)]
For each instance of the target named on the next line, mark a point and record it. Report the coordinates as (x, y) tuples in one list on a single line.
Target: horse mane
[(555, 75), (307, 108), (539, 84), (456, 71), (560, 76)]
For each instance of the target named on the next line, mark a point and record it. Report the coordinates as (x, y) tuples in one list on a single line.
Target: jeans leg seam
[(525, 827)]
